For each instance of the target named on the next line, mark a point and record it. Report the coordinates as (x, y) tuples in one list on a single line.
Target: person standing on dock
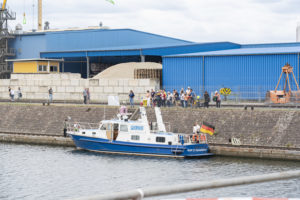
[(12, 95), (19, 93), (85, 95), (9, 89), (50, 91), (88, 95), (206, 99), (65, 128), (131, 98), (217, 97)]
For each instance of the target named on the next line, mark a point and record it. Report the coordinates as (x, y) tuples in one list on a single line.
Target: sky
[(240, 21)]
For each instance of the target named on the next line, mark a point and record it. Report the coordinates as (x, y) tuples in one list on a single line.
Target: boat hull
[(108, 146)]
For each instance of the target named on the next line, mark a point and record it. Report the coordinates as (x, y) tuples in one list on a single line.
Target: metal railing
[(76, 126), (139, 194)]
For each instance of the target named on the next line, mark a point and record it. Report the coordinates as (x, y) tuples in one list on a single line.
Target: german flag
[(207, 128)]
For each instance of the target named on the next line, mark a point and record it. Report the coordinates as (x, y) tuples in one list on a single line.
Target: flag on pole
[(24, 19), (207, 128), (111, 1)]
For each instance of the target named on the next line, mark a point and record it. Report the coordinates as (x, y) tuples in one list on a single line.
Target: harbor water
[(43, 172)]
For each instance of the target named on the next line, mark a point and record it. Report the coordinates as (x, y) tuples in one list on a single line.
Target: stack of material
[(127, 70), (147, 73)]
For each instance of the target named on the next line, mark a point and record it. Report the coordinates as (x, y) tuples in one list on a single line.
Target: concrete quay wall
[(69, 87), (260, 127), (262, 133)]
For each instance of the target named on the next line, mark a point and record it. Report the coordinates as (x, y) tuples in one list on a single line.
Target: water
[(42, 172)]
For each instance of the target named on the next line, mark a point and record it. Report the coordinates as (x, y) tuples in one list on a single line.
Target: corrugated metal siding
[(28, 46), (248, 76), (182, 72)]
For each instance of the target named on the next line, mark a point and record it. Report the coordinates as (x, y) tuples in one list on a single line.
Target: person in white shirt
[(196, 128), (12, 94)]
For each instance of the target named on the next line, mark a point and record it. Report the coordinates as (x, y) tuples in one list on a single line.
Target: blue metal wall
[(181, 72), (249, 76), (28, 46)]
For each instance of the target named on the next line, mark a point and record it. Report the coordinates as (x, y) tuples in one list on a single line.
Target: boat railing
[(76, 126)]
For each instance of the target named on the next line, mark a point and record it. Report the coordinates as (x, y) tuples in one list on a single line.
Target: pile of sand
[(126, 70)]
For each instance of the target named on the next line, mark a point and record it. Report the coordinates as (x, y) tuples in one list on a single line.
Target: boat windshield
[(104, 126)]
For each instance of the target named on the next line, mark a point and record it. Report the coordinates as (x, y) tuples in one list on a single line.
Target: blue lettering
[(137, 128)]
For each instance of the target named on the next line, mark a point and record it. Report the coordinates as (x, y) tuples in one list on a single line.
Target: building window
[(124, 128), (42, 68), (53, 69), (135, 137), (161, 139)]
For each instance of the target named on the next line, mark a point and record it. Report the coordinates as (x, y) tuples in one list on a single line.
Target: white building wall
[(69, 87)]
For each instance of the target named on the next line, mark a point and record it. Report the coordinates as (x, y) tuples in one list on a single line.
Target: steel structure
[(5, 51)]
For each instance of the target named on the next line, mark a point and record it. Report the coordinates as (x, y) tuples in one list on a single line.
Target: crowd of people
[(161, 98), (184, 98)]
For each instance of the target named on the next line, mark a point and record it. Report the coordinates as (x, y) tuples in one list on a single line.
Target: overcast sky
[(240, 21)]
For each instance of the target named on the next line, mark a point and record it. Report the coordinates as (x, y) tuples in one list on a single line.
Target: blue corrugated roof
[(149, 49), (269, 45), (245, 51)]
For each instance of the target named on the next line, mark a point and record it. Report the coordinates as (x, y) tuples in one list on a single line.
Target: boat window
[(116, 126), (103, 127), (161, 139), (135, 137), (124, 128)]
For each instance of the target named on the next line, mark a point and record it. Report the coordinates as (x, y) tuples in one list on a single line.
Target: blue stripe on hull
[(104, 145)]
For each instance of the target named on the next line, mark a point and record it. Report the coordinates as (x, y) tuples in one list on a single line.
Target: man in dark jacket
[(206, 99)]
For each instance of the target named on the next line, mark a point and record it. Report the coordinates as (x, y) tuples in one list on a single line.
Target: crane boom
[(4, 4), (40, 15)]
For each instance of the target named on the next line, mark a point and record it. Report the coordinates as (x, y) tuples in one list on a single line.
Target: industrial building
[(248, 70), (103, 47)]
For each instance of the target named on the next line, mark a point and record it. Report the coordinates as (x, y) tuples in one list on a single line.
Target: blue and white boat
[(123, 136)]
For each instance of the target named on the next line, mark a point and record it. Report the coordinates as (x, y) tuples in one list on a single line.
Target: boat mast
[(145, 119)]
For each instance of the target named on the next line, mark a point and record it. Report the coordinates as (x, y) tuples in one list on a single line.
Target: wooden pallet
[(147, 74)]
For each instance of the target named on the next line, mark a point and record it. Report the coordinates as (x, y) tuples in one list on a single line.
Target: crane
[(40, 15), (4, 5), (286, 95)]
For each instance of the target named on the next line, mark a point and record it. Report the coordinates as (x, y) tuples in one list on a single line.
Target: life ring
[(202, 137), (195, 138)]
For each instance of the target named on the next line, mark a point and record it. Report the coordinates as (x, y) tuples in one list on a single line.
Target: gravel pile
[(126, 70)]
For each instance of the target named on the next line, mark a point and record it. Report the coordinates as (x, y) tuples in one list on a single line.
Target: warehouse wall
[(249, 76), (28, 46), (181, 72)]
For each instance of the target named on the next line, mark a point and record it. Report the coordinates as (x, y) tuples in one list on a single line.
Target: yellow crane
[(40, 15), (4, 5)]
